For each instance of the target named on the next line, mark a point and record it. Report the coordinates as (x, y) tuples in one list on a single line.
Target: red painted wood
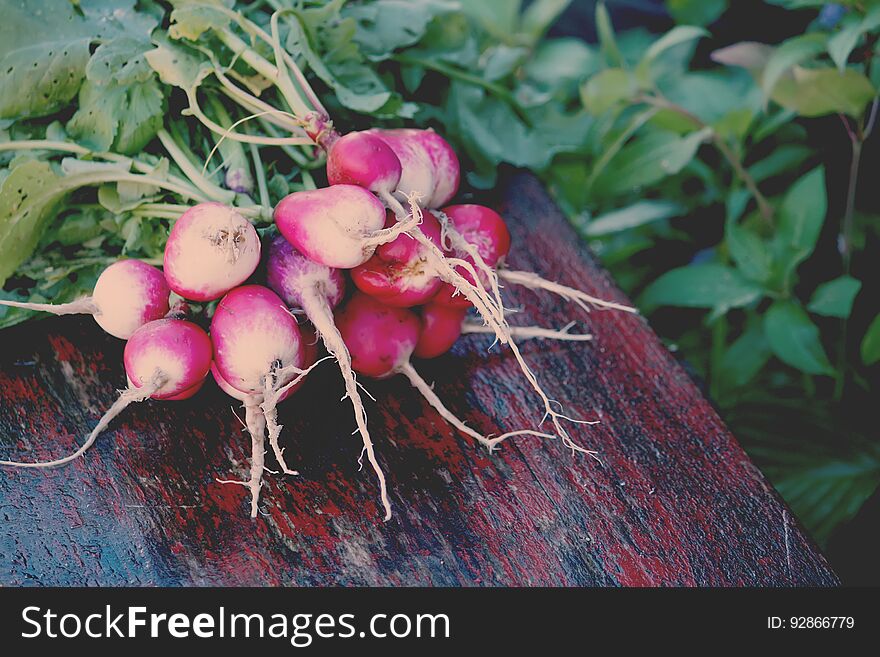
[(675, 501)]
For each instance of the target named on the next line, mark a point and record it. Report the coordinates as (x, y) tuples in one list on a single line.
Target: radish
[(164, 359), (400, 273), (256, 420), (441, 326), (211, 249), (429, 166), (363, 159), (127, 295), (382, 339), (257, 351), (318, 289), (338, 226)]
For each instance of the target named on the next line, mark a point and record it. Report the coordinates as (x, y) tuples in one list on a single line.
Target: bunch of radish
[(377, 262)]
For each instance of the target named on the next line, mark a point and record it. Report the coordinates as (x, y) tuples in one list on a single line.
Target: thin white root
[(406, 222), (493, 314), (126, 397), (548, 406), (272, 394), (431, 397), (527, 332), (585, 301), (256, 423), (320, 313), (84, 306), (452, 239)]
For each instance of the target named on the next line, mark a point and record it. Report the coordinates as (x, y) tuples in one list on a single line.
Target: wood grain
[(674, 501)]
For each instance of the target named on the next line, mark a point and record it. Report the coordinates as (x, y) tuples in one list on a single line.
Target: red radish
[(127, 295), (429, 166), (363, 159), (257, 350), (338, 226), (441, 327), (317, 289), (164, 359), (211, 249), (480, 236), (400, 273), (382, 339)]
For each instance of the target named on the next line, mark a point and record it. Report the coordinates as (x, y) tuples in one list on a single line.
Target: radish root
[(126, 397), (256, 425), (431, 397), (320, 313), (534, 282), (271, 396), (84, 306), (527, 332)]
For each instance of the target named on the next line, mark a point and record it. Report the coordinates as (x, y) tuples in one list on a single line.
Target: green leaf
[(795, 339), (384, 26), (835, 298), (819, 91), (126, 118), (782, 159), (745, 357), (633, 216), (702, 286), (28, 199), (607, 40), (608, 88), (871, 343), (791, 53), (44, 48), (120, 61), (800, 217), (491, 130), (841, 44), (748, 250), (540, 15), (648, 159), (191, 21), (676, 36), (560, 64), (499, 17), (696, 12)]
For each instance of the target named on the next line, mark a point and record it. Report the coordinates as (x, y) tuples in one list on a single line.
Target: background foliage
[(726, 183)]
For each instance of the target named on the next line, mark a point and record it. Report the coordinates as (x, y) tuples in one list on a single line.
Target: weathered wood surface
[(675, 501)]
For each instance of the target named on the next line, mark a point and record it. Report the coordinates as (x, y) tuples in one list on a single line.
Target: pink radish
[(164, 359), (255, 338), (382, 339), (258, 351), (127, 295), (317, 289), (211, 249), (338, 226), (429, 166), (363, 159), (256, 420), (400, 273)]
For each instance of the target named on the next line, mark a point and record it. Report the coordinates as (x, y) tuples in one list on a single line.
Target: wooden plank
[(674, 501)]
